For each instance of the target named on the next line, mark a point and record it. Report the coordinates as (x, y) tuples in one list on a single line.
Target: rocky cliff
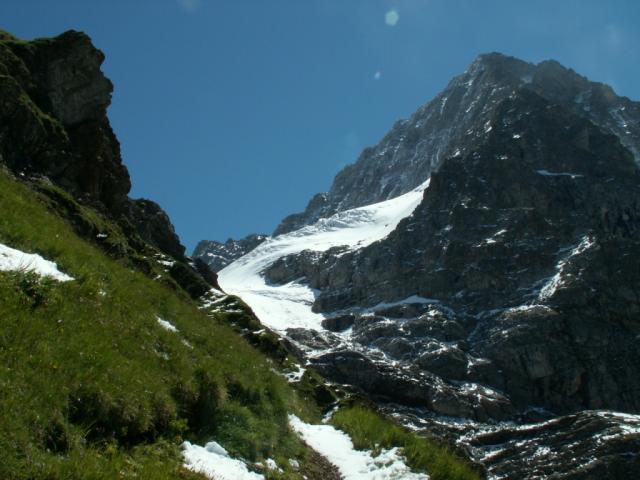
[(218, 255), (528, 242), (54, 124), (415, 147)]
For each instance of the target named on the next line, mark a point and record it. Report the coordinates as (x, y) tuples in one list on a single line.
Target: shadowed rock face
[(154, 226), (53, 123), (68, 71), (54, 119), (415, 147)]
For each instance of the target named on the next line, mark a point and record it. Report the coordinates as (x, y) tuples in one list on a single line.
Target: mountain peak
[(498, 58), (415, 147), (486, 285), (500, 65)]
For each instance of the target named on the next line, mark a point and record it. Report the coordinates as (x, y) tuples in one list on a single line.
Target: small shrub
[(34, 289)]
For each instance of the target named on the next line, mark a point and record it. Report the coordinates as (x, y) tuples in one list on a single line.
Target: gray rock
[(54, 118), (603, 445), (339, 323), (312, 339), (449, 362), (218, 255), (154, 226)]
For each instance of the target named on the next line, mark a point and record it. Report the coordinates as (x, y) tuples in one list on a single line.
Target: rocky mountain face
[(54, 124), (218, 255), (504, 313), (415, 147), (527, 246)]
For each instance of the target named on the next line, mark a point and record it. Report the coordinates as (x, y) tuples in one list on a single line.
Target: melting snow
[(271, 464), (296, 375), (353, 464), (288, 306), (167, 325), (213, 461), (16, 260)]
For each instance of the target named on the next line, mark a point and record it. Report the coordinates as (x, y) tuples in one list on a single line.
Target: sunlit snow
[(167, 325), (289, 306), (213, 461), (16, 260), (337, 447)]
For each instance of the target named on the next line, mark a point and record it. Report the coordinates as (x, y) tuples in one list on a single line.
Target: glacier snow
[(289, 306)]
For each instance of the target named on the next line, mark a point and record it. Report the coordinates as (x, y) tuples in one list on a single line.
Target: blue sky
[(232, 113)]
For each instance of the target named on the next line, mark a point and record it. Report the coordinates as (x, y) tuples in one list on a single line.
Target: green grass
[(371, 431), (92, 387)]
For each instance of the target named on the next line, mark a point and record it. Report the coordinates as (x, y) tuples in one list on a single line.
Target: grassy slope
[(92, 387)]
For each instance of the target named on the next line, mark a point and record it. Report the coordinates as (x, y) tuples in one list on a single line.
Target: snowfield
[(337, 447), (289, 306), (15, 260)]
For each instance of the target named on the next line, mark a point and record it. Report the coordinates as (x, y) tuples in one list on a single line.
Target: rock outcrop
[(218, 255), (54, 99), (54, 124), (154, 226)]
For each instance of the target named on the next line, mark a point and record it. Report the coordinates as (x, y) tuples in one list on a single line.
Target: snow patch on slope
[(16, 260), (214, 462), (289, 306), (167, 325), (337, 447)]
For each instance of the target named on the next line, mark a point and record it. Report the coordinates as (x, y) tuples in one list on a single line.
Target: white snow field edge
[(16, 260), (337, 447), (214, 461), (289, 306)]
